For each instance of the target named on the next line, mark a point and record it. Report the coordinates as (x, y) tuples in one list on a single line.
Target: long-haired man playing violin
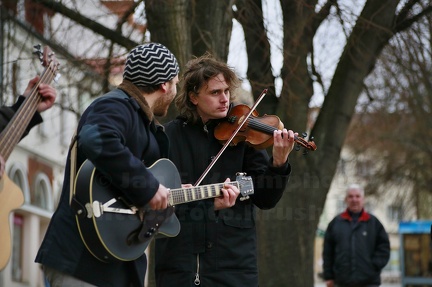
[(217, 244)]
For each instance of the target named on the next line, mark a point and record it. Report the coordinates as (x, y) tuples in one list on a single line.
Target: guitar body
[(11, 197), (112, 236)]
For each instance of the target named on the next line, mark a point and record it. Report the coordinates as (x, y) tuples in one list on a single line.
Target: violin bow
[(213, 162)]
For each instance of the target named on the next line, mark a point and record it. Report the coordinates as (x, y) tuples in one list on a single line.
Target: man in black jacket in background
[(356, 245)]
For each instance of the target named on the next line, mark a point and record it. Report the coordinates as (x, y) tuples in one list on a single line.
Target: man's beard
[(161, 106)]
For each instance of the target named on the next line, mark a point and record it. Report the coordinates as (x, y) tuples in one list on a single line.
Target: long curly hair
[(197, 73)]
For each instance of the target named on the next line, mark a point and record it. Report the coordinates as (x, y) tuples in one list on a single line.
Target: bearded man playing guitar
[(48, 94), (120, 137)]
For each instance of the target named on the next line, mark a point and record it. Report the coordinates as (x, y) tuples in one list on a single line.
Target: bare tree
[(397, 116)]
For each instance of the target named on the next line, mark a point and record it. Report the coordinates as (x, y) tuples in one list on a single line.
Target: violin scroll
[(307, 145)]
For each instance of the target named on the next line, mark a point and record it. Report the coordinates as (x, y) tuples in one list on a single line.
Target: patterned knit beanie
[(150, 64)]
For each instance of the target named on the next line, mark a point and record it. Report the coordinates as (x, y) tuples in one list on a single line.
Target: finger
[(232, 196), (152, 205), (33, 81), (224, 193), (291, 133), (277, 135)]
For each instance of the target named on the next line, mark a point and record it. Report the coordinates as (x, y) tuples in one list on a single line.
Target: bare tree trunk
[(259, 73), (211, 36), (294, 221)]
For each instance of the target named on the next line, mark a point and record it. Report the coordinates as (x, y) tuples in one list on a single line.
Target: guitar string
[(26, 112), (184, 195), (179, 195), (10, 137)]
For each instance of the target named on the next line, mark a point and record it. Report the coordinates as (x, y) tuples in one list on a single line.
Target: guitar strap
[(73, 155)]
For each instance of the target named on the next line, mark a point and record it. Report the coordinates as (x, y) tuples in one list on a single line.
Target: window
[(18, 174), (42, 192), (364, 168), (394, 213)]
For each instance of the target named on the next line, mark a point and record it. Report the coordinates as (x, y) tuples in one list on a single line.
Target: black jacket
[(355, 253), (114, 134), (218, 248)]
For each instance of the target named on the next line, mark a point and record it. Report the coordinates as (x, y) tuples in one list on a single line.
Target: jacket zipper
[(197, 280)]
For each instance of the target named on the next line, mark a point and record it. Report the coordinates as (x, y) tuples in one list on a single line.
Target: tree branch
[(88, 23), (404, 23)]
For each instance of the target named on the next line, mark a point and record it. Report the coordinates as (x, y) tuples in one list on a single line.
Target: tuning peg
[(304, 134), (38, 51)]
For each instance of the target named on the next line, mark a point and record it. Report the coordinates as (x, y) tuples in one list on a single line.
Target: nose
[(225, 96)]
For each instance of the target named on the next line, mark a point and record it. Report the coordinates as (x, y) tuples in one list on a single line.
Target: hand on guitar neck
[(229, 194), (228, 197), (47, 92)]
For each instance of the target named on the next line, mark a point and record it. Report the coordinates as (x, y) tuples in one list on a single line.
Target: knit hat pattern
[(150, 64)]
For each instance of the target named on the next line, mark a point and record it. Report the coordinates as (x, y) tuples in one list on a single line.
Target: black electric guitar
[(11, 196), (112, 229)]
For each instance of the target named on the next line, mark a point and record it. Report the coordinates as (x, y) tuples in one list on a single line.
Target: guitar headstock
[(48, 59), (245, 185)]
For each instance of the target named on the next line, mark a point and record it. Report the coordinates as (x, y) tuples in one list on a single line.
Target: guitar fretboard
[(184, 195), (19, 122)]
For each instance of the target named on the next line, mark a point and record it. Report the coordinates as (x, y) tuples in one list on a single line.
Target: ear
[(164, 86), (193, 98)]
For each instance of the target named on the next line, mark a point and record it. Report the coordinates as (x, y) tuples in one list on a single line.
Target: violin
[(256, 131)]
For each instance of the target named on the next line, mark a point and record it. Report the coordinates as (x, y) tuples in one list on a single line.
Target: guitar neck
[(184, 195), (13, 132)]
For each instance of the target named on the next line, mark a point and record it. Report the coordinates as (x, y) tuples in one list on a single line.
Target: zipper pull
[(197, 281)]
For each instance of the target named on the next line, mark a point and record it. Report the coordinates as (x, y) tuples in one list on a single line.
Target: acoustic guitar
[(114, 230), (11, 196)]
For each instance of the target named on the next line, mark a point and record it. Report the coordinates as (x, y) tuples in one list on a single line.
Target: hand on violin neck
[(283, 144)]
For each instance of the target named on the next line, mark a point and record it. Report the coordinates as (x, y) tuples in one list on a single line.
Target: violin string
[(256, 124), (260, 126)]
